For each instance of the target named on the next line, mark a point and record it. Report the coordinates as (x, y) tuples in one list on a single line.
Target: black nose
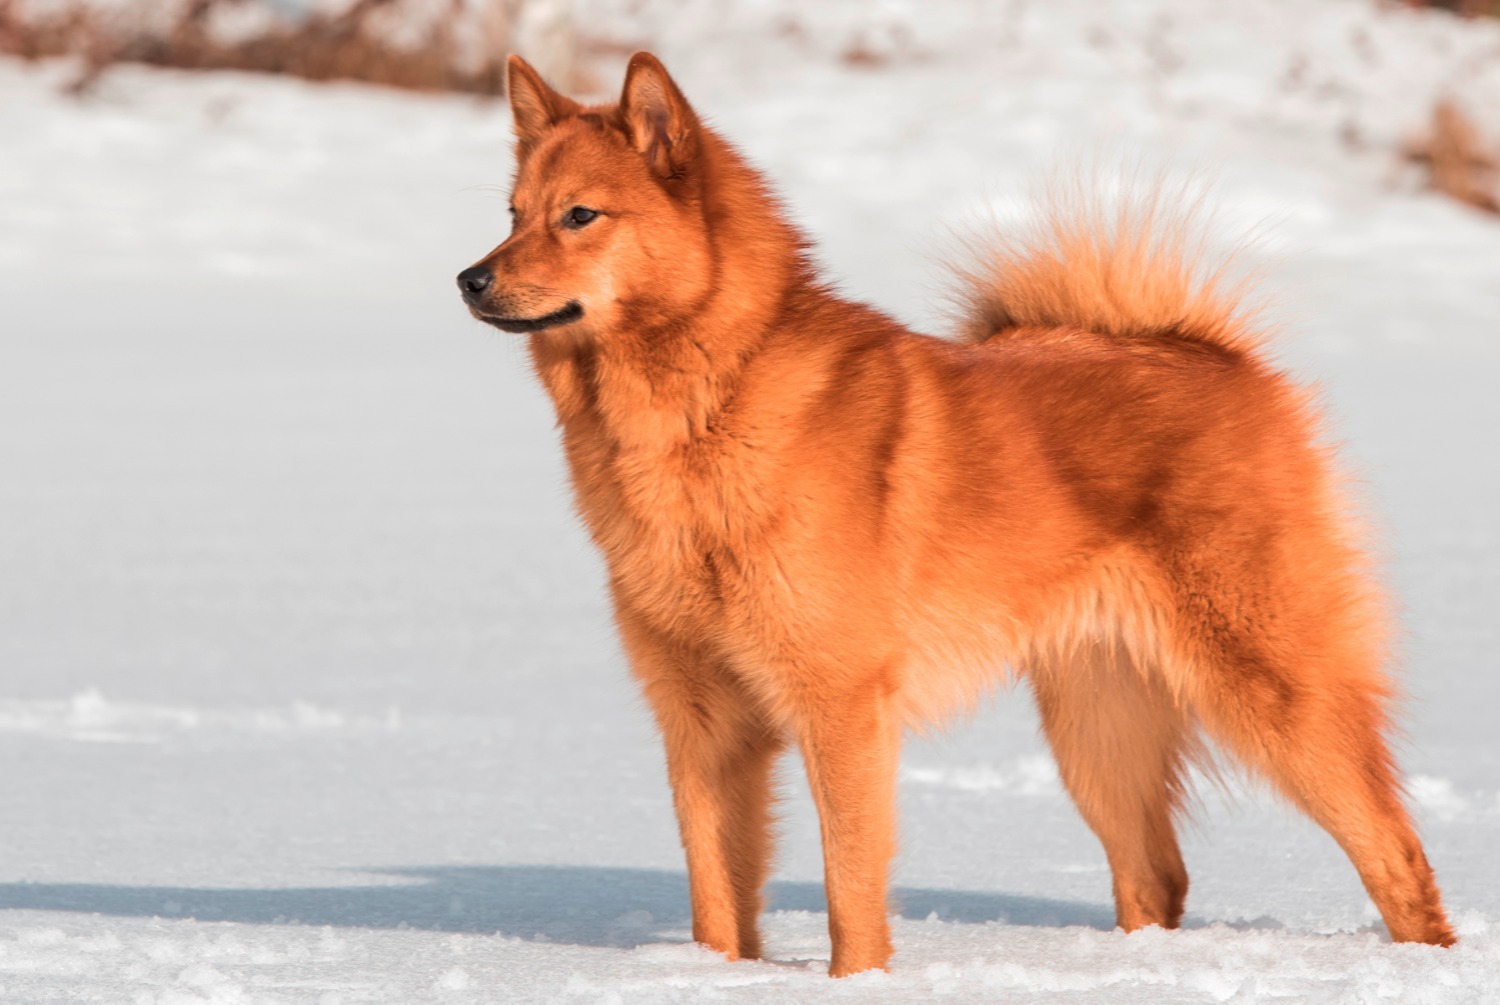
[(472, 282)]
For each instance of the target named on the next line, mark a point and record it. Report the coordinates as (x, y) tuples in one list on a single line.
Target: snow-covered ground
[(307, 688)]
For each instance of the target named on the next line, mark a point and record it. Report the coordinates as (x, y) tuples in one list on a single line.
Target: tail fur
[(1134, 270)]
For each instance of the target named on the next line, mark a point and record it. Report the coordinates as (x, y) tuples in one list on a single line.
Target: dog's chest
[(673, 526), (678, 502)]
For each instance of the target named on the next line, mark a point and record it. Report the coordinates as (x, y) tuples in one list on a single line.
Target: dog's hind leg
[(1120, 741), (720, 755), (1290, 682)]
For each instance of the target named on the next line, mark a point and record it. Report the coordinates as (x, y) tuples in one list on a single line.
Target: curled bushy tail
[(1136, 268)]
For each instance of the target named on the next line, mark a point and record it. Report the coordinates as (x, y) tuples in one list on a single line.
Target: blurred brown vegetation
[(1459, 160), (1464, 8), (460, 45), (455, 45)]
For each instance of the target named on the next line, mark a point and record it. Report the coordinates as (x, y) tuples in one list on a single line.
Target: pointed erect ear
[(660, 122), (534, 106)]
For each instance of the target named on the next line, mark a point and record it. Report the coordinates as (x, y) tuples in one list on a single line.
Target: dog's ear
[(534, 107), (660, 122)]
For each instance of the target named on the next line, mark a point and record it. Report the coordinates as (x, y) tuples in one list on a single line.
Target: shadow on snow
[(570, 904)]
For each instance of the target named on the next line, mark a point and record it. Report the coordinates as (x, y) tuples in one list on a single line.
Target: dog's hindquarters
[(1174, 441), (1276, 652)]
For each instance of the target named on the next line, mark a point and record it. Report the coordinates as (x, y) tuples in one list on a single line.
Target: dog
[(822, 528)]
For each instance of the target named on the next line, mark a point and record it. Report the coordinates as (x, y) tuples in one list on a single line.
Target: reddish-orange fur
[(822, 528)]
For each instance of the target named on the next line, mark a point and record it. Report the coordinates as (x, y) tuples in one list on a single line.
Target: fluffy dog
[(822, 528)]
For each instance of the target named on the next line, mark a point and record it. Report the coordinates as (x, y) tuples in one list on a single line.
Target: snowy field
[(307, 687)]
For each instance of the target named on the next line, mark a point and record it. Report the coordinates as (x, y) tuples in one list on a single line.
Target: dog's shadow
[(579, 905)]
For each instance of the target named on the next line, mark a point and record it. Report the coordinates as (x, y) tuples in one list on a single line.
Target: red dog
[(821, 527)]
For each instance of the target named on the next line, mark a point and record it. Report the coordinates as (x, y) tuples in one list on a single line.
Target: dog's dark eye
[(579, 216)]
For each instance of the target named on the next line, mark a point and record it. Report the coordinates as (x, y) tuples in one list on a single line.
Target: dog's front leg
[(851, 743), (720, 754)]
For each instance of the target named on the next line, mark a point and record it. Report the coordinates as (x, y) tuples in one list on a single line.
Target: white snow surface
[(307, 687)]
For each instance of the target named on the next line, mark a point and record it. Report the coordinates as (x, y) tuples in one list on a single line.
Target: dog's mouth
[(562, 316)]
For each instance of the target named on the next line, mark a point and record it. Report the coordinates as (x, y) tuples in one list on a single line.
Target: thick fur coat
[(823, 529)]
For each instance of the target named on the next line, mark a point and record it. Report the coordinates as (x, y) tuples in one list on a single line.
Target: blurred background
[(308, 690)]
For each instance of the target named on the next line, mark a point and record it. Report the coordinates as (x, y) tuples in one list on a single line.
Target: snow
[(307, 687)]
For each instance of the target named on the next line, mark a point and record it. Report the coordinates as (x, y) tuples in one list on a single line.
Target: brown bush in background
[(1464, 8), (456, 45), (1459, 161)]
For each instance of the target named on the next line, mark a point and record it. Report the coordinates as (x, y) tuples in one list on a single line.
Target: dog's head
[(607, 227)]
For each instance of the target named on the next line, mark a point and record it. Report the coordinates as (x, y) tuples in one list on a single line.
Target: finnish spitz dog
[(822, 528)]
